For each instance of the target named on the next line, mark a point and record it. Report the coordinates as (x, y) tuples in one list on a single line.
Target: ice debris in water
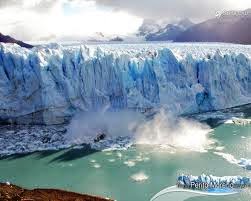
[(28, 139), (238, 121), (130, 163), (139, 177)]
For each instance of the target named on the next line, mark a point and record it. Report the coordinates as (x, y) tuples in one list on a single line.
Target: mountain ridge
[(228, 27), (8, 39)]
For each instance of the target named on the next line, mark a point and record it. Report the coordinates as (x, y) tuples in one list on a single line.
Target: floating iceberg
[(49, 84)]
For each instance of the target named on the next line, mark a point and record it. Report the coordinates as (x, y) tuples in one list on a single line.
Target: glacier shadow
[(65, 156), (73, 154)]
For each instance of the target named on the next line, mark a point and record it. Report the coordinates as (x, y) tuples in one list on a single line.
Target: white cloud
[(32, 20), (63, 19), (172, 9)]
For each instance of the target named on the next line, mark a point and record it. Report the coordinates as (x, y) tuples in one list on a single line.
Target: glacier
[(48, 84)]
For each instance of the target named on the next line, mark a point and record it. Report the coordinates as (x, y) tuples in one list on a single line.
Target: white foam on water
[(229, 157), (243, 162), (93, 161), (139, 177)]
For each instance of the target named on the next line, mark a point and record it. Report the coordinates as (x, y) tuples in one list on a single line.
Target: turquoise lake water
[(107, 173)]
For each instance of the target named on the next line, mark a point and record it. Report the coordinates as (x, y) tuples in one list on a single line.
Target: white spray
[(163, 129)]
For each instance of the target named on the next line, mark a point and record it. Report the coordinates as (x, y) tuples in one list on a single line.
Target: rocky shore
[(9, 192)]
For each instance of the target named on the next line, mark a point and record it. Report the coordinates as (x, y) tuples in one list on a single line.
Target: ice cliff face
[(49, 84)]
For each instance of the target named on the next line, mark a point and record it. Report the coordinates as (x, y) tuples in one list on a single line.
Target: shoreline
[(10, 192)]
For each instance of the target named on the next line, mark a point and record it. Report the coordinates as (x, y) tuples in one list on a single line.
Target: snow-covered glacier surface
[(49, 84)]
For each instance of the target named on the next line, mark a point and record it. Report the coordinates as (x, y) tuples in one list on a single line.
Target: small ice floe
[(139, 158), (130, 163), (119, 154), (111, 160), (219, 148), (96, 165), (139, 177), (229, 121)]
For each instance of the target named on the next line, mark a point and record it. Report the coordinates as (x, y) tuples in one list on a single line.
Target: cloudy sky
[(35, 20)]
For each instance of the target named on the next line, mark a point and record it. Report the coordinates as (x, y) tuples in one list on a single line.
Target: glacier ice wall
[(48, 84)]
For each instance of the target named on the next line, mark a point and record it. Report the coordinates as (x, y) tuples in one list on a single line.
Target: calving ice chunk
[(49, 84)]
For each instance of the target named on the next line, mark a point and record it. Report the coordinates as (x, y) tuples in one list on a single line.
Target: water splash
[(164, 129)]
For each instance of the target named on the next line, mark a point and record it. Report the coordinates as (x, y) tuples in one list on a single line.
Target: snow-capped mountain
[(161, 31), (185, 23), (148, 26), (229, 27), (8, 39), (168, 33), (49, 84)]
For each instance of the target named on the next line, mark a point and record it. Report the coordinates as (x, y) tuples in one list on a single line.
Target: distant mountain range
[(230, 28), (8, 39), (154, 31)]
